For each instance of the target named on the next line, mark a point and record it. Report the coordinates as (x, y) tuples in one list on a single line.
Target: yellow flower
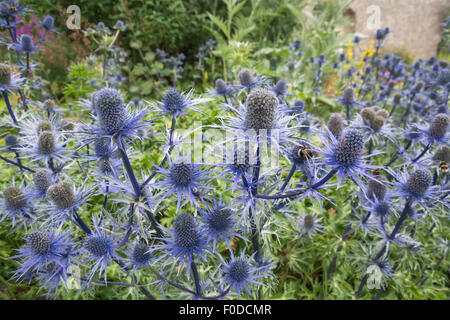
[(350, 50)]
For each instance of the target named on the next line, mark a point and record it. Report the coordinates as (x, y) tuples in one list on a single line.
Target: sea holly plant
[(94, 191)]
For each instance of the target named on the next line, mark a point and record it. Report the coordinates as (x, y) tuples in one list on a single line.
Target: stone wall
[(415, 24)]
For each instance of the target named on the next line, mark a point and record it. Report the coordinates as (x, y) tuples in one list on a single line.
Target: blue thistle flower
[(114, 117), (140, 256), (280, 88), (345, 154), (185, 240), (239, 273), (418, 186), (42, 179), (175, 103), (40, 248), (218, 223), (101, 249), (25, 45), (183, 178)]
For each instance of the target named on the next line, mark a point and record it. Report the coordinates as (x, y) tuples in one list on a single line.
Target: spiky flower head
[(46, 143), (239, 273), (98, 245), (221, 87), (348, 96), (246, 77), (173, 101), (382, 208), (418, 182), (62, 195), (374, 117), (11, 141), (42, 179), (218, 223), (280, 88), (26, 42), (48, 23), (261, 109), (439, 126), (43, 125), (39, 242), (14, 198), (141, 255), (5, 74), (182, 173), (102, 147), (186, 231), (350, 147), (111, 110), (336, 124)]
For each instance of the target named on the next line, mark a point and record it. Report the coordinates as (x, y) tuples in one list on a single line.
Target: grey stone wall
[(415, 24)]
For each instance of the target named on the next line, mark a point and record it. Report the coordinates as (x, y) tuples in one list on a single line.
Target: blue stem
[(8, 105)]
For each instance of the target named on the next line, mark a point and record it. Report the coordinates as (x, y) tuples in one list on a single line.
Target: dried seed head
[(418, 182), (182, 173), (14, 198), (350, 147), (42, 179), (185, 230), (439, 126), (39, 242), (336, 124), (5, 74), (44, 125), (46, 143), (62, 195), (111, 110), (261, 109), (246, 77)]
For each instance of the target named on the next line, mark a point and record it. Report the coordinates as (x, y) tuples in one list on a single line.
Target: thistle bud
[(439, 126), (44, 125), (42, 179), (39, 242), (185, 230), (246, 77), (418, 182), (350, 147)]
